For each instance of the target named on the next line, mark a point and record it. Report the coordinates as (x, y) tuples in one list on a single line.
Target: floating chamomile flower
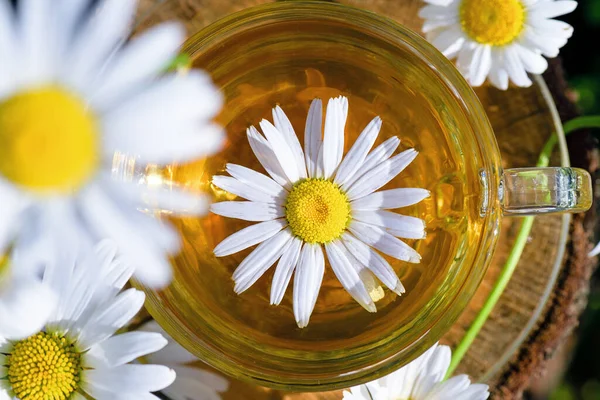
[(193, 382), (71, 94), (421, 379), (25, 302), (317, 199), (77, 355), (498, 39)]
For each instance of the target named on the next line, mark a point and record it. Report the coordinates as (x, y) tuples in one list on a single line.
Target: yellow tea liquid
[(289, 64)]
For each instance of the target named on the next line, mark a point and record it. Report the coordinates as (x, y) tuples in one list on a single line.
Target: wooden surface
[(522, 123)]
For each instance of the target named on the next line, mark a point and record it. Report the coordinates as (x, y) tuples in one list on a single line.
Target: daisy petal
[(357, 154), (480, 66), (248, 210), (124, 348), (514, 67), (384, 242), (549, 47), (130, 378), (307, 282), (283, 152), (283, 125), (249, 236), (285, 269), (498, 75), (333, 138), (36, 27), (450, 40), (376, 157), (138, 63), (551, 9), (312, 136), (256, 180), (13, 204), (376, 263), (243, 190), (7, 46), (398, 225), (552, 27), (260, 260), (267, 158), (437, 12), (595, 251), (532, 61), (388, 199), (380, 175), (348, 276)]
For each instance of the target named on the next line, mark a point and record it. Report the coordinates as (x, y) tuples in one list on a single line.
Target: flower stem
[(516, 251)]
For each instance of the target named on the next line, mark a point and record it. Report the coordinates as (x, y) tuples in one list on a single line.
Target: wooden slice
[(526, 326)]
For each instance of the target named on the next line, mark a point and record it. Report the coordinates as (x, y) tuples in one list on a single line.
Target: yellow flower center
[(317, 211), (48, 140), (44, 367), (493, 22)]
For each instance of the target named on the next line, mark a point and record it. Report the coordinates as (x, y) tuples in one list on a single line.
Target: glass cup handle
[(532, 191)]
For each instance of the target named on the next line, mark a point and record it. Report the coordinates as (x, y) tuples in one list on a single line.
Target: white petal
[(141, 60), (532, 61), (498, 75), (307, 282), (348, 276), (433, 371), (312, 136), (552, 27), (551, 9), (376, 157), (172, 353), (248, 210), (595, 251), (283, 125), (333, 139), (450, 40), (112, 317), (384, 242), (260, 260), (393, 198), (131, 232), (548, 46), (514, 67), (282, 150), (13, 204), (25, 306), (8, 48), (398, 225), (437, 25), (380, 175), (129, 379), (437, 12), (267, 158), (243, 190), (480, 66), (249, 236), (37, 28), (124, 348), (376, 263), (358, 153), (285, 269), (256, 180), (108, 26), (210, 379)]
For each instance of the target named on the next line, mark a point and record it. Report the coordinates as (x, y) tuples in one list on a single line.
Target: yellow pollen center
[(493, 22), (44, 367), (317, 211), (48, 140)]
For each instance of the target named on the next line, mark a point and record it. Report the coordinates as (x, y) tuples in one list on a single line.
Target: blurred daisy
[(422, 379), (318, 199), (498, 39), (71, 94), (77, 355), (25, 302), (192, 383)]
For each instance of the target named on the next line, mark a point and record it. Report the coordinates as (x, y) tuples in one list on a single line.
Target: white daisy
[(422, 379), (498, 39), (71, 94), (78, 356), (25, 302), (192, 383), (318, 199)]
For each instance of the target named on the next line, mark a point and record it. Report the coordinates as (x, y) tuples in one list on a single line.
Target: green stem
[(516, 251)]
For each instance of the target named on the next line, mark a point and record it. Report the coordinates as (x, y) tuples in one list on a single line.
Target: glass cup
[(289, 53)]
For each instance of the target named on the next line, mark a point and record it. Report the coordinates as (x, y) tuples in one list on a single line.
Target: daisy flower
[(500, 40), (318, 202), (422, 379), (77, 355), (72, 93), (25, 302), (192, 383)]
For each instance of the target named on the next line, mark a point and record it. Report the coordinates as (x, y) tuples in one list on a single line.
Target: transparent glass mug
[(289, 53)]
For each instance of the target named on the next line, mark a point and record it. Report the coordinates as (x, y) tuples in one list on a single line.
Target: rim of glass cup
[(393, 353)]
